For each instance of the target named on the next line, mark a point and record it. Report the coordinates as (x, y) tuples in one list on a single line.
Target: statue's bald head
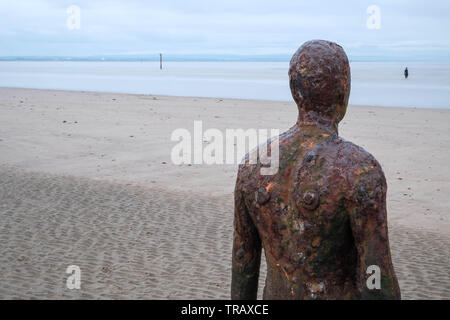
[(319, 75)]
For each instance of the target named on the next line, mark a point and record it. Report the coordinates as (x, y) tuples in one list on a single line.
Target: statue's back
[(321, 218)]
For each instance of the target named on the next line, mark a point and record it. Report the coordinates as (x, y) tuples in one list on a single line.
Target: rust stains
[(321, 218)]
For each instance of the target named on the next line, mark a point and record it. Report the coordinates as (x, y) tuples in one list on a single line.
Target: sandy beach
[(86, 179)]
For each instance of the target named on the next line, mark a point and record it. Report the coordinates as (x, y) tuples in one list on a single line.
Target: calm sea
[(373, 83)]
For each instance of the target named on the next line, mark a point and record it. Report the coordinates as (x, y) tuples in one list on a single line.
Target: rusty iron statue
[(321, 218)]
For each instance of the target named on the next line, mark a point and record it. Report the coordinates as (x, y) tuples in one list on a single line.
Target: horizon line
[(208, 58)]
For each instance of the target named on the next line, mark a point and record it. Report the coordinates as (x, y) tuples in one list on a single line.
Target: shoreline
[(212, 97)]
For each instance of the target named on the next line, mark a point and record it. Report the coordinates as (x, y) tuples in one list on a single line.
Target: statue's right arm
[(246, 253), (368, 220)]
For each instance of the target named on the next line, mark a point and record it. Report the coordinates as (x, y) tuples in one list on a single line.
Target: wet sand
[(99, 191)]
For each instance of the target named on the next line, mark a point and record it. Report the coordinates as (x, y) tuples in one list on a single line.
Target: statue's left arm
[(246, 253)]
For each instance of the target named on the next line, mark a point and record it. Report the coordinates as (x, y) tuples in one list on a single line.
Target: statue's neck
[(316, 124)]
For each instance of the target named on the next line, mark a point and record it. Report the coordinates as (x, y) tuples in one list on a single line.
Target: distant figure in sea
[(406, 73), (321, 218)]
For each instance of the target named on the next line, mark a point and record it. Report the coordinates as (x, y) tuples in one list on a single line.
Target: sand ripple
[(141, 243)]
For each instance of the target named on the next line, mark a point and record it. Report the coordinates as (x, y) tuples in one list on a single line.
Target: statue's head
[(319, 75)]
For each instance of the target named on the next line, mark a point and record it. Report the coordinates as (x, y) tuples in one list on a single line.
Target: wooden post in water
[(160, 61)]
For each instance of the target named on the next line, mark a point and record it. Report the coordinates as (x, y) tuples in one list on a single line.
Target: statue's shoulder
[(250, 164), (357, 164), (246, 171)]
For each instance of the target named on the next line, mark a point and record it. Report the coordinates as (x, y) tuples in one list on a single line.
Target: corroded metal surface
[(321, 218)]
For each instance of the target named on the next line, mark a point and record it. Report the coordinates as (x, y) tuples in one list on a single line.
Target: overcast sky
[(408, 28)]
